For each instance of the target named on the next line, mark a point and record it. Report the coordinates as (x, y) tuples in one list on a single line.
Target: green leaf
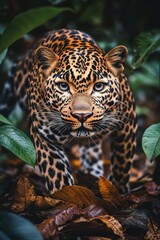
[(148, 76), (151, 141), (18, 143), (4, 120), (25, 22), (3, 54), (146, 43), (15, 227)]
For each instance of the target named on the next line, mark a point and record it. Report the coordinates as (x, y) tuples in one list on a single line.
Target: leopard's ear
[(47, 59), (115, 59)]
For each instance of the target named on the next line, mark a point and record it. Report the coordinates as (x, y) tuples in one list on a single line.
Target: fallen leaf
[(67, 215), (81, 196), (45, 202), (111, 223), (86, 229), (71, 213), (110, 192), (102, 226), (94, 211), (48, 229), (153, 232), (24, 194)]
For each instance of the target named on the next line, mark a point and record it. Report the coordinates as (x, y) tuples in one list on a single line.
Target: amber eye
[(63, 86), (99, 86)]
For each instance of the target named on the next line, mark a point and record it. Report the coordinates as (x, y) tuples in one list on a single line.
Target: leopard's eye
[(99, 86), (63, 86)]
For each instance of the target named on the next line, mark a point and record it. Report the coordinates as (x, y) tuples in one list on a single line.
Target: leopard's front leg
[(123, 147), (53, 164)]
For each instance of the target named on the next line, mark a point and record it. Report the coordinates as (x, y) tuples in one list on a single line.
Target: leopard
[(73, 90)]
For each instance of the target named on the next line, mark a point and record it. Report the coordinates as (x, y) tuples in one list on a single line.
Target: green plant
[(145, 44), (24, 23), (144, 70), (151, 141), (16, 141)]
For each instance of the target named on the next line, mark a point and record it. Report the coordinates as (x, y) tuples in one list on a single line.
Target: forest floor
[(91, 210)]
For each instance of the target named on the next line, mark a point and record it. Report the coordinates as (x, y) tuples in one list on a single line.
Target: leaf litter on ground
[(78, 212)]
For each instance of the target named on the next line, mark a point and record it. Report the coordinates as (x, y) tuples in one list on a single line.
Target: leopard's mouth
[(82, 132)]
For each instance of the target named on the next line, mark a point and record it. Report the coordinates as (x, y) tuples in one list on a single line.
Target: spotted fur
[(72, 89)]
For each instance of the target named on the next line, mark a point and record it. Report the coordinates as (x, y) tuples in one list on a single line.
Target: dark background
[(107, 21)]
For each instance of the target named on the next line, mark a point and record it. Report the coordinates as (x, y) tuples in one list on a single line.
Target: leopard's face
[(83, 92), (79, 86)]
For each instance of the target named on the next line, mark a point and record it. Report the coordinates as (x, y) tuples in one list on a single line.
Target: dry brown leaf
[(99, 227), (67, 215), (94, 211), (153, 232), (86, 228), (45, 202), (111, 223), (73, 212), (24, 194), (110, 192), (48, 229), (81, 196)]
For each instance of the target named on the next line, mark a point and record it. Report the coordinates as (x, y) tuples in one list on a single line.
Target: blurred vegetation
[(134, 24)]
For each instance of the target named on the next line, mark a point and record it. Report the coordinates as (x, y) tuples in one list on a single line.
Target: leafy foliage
[(146, 43), (17, 142), (147, 76), (151, 141), (24, 23), (3, 55), (4, 120)]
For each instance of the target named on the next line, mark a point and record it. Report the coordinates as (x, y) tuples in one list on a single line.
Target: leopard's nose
[(82, 117)]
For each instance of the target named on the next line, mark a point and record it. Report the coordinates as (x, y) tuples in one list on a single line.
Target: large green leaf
[(146, 43), (25, 22), (18, 143), (151, 141), (14, 227)]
